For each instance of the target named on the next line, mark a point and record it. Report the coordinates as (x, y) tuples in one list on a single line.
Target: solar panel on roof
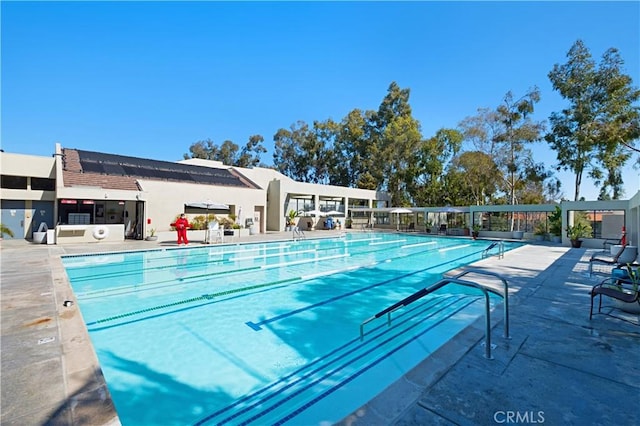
[(114, 169), (90, 167), (111, 164), (137, 171)]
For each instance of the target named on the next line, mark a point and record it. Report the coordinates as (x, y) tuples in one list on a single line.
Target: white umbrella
[(207, 204), (314, 213), (334, 213), (399, 211)]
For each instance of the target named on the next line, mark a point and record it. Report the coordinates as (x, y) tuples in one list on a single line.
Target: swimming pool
[(267, 333)]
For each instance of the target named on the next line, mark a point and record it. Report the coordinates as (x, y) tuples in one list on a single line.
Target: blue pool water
[(267, 333)]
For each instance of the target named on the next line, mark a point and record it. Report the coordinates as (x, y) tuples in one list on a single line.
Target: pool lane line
[(442, 250), (164, 267), (155, 285), (193, 299), (208, 296), (442, 305), (204, 262), (145, 286), (264, 256), (200, 252), (430, 243), (387, 242), (428, 304), (242, 289), (257, 325)]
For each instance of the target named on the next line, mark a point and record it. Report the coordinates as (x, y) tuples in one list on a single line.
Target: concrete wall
[(165, 200)]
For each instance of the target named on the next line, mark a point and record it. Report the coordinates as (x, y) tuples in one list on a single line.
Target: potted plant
[(152, 235), (539, 231), (475, 232), (555, 225), (291, 219), (577, 231)]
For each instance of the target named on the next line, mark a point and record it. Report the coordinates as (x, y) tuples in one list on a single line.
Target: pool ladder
[(298, 234), (504, 293), (499, 245)]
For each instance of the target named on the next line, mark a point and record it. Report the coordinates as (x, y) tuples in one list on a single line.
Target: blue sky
[(148, 79)]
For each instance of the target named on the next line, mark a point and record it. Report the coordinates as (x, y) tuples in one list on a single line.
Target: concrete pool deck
[(558, 367)]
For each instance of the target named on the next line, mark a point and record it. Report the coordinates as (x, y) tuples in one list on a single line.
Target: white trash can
[(51, 236), (39, 237)]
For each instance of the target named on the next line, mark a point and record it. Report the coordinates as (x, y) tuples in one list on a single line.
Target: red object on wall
[(149, 221), (623, 240)]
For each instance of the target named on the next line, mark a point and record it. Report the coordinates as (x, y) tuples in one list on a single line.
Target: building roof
[(89, 168)]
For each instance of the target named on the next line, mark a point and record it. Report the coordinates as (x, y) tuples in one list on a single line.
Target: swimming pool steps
[(289, 397)]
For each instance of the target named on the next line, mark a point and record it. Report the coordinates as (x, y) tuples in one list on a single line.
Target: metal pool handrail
[(423, 292), (500, 245), (504, 295), (298, 234)]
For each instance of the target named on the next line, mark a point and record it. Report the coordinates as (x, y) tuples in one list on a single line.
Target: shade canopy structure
[(400, 211)]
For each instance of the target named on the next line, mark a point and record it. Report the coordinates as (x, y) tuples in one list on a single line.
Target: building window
[(13, 182), (43, 184)]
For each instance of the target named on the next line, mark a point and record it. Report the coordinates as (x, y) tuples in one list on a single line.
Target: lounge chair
[(608, 242), (214, 234), (411, 227), (605, 259), (616, 288), (443, 229)]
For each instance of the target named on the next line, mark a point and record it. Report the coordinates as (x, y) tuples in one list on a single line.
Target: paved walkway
[(558, 367)]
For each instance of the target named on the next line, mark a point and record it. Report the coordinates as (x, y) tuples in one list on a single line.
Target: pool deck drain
[(558, 367)]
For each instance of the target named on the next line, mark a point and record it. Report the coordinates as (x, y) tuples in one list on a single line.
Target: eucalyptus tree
[(425, 171), (206, 150), (249, 155), (396, 135), (504, 134), (229, 153), (482, 176), (356, 156), (455, 191), (323, 160), (535, 181), (594, 133), (300, 154)]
